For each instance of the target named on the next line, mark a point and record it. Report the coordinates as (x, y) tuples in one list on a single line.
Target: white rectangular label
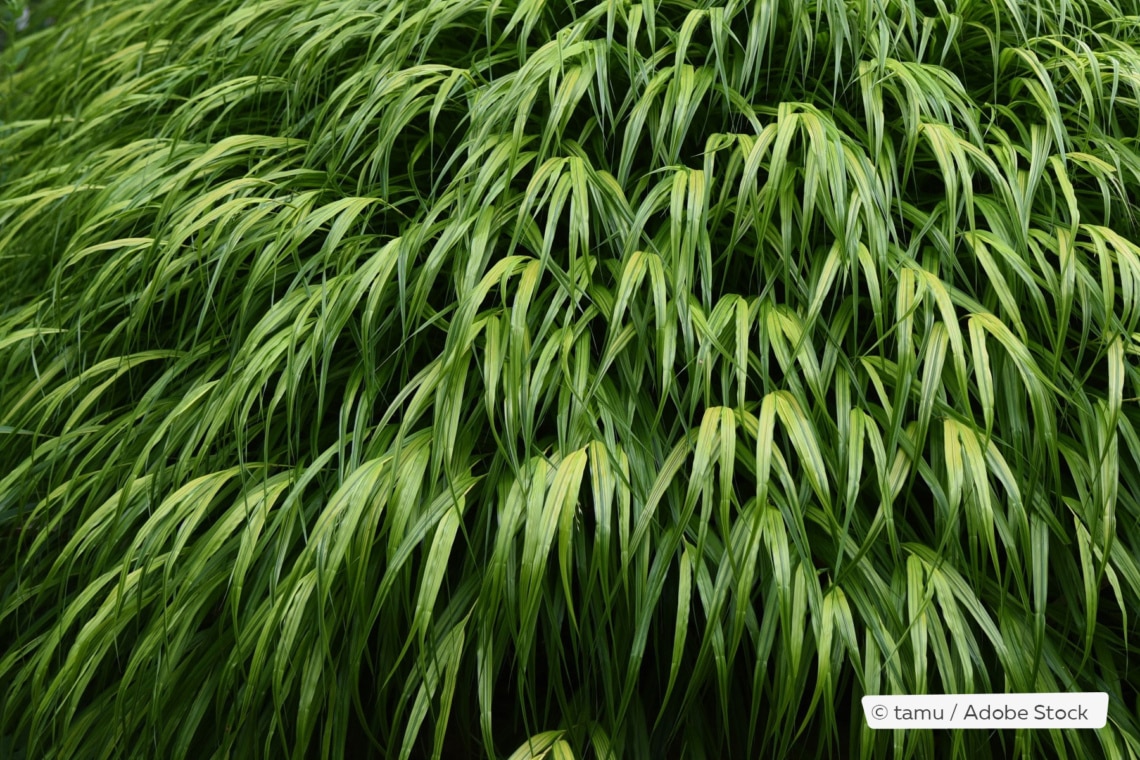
[(1063, 710)]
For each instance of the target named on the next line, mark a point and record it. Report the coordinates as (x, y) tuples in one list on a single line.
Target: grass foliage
[(593, 378)]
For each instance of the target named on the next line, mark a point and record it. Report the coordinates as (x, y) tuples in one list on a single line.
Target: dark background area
[(26, 17)]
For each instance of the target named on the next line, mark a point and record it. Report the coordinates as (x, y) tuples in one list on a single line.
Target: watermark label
[(1063, 710)]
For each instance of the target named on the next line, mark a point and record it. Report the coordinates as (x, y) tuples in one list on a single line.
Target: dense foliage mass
[(618, 379)]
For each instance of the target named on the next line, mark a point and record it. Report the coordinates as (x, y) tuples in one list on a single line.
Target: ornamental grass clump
[(594, 379)]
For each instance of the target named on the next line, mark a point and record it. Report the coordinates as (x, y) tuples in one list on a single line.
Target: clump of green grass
[(451, 377)]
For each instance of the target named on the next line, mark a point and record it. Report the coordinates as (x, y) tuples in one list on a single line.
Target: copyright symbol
[(879, 712)]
